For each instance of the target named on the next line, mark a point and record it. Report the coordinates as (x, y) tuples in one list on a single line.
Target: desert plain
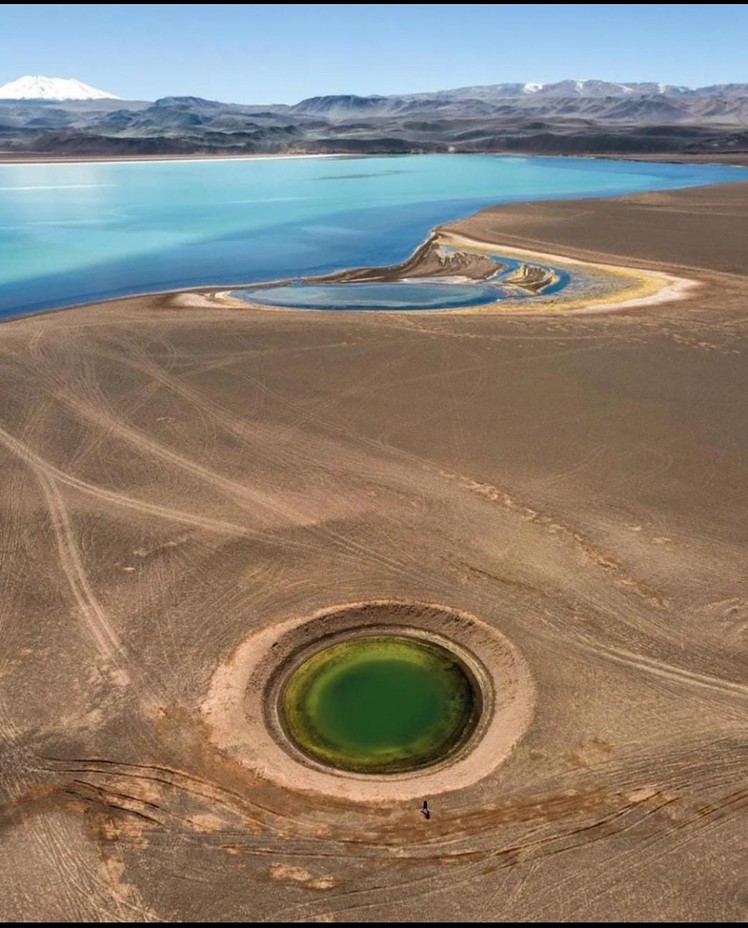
[(180, 476)]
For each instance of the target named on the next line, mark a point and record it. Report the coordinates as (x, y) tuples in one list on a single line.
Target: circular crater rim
[(238, 708)]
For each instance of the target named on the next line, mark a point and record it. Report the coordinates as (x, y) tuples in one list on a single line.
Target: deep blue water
[(71, 233)]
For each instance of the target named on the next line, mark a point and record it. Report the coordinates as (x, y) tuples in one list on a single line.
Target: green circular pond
[(379, 704)]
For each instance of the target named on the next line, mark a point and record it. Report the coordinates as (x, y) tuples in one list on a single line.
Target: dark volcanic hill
[(569, 117)]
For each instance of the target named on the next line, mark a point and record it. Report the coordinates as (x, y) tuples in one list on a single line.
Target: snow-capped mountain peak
[(532, 87), (51, 88)]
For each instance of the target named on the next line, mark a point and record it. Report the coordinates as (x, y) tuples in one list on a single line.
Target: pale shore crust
[(240, 709), (640, 287)]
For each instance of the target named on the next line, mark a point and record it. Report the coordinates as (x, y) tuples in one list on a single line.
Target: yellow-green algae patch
[(380, 704)]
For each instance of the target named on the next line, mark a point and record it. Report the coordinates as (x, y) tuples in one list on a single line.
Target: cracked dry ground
[(175, 478)]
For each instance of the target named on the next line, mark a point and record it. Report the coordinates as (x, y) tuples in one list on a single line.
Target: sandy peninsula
[(182, 478), (528, 284)]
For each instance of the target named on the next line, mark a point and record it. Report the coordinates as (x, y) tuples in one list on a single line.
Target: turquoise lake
[(72, 233)]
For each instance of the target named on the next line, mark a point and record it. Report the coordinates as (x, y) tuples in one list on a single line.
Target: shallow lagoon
[(403, 295), (379, 704)]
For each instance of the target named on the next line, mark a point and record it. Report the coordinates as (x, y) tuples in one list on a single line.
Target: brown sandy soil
[(176, 479), (701, 229), (430, 260)]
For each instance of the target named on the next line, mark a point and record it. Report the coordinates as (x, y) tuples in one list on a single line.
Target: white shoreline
[(159, 160)]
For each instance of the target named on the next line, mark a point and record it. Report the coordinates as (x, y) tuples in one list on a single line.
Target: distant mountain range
[(66, 117), (572, 88)]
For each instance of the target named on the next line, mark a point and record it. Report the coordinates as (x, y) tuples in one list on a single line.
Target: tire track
[(94, 616), (120, 499)]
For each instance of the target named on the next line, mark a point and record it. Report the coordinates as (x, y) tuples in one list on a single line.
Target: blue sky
[(281, 53)]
